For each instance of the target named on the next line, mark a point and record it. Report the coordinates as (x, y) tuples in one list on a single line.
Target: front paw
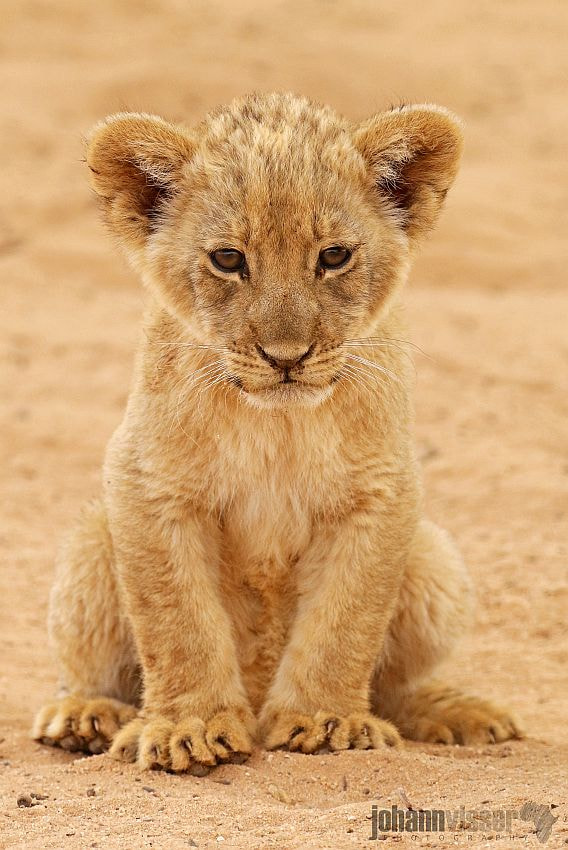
[(326, 731), (187, 746)]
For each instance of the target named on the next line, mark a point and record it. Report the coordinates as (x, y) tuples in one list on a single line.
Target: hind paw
[(446, 716), (78, 724)]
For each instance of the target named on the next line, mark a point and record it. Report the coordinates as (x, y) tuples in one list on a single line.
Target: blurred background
[(487, 299)]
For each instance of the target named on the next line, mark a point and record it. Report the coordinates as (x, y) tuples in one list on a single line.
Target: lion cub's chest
[(275, 486)]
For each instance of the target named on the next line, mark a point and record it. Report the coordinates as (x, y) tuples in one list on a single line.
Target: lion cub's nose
[(285, 357)]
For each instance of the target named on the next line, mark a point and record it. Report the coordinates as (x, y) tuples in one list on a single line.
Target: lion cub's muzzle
[(284, 360)]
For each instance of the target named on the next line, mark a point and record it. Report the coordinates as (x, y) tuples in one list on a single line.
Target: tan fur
[(258, 564)]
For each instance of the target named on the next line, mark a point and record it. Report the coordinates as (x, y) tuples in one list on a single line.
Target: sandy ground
[(487, 303)]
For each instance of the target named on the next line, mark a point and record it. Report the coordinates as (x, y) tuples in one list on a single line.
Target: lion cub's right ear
[(135, 161)]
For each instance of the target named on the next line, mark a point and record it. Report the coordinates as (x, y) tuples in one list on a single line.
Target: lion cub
[(258, 565)]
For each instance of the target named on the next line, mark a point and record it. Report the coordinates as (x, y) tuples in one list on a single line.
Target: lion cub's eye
[(334, 257), (228, 259)]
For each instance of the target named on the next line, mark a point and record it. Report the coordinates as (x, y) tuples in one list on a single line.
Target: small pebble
[(344, 783), (223, 781), (40, 796), (149, 789), (25, 801), (366, 790), (279, 794), (91, 792)]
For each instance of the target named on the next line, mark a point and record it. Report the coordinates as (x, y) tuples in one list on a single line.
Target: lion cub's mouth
[(288, 392)]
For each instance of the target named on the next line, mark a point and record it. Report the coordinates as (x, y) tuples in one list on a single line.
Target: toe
[(154, 744), (368, 732), (228, 738), (102, 718), (340, 735), (125, 743), (71, 743), (434, 733), (63, 721), (505, 726), (98, 745), (288, 731), (360, 732), (42, 720), (328, 732), (383, 732), (188, 749)]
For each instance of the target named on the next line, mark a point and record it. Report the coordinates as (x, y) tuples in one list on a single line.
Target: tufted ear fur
[(413, 154), (135, 161)]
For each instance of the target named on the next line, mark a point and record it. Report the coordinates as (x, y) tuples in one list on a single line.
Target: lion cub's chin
[(287, 395)]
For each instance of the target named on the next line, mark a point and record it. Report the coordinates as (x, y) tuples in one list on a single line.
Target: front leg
[(349, 583), (195, 712)]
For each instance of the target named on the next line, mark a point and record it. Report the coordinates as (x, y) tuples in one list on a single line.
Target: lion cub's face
[(276, 232)]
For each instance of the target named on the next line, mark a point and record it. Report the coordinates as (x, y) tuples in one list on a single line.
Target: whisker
[(188, 345), (209, 383), (190, 383), (360, 378), (364, 376), (204, 369), (346, 374), (385, 341), (376, 366), (183, 396), (386, 346)]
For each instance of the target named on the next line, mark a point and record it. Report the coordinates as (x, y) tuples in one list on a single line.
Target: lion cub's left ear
[(413, 153), (135, 161)]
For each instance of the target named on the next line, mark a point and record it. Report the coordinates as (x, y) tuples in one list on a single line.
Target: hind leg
[(434, 608), (100, 682)]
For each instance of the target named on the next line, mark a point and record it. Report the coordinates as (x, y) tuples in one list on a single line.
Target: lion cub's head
[(275, 231)]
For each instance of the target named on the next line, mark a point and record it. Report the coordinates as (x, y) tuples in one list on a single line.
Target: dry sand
[(487, 302)]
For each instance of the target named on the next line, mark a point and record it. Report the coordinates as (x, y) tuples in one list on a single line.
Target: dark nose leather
[(283, 360)]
